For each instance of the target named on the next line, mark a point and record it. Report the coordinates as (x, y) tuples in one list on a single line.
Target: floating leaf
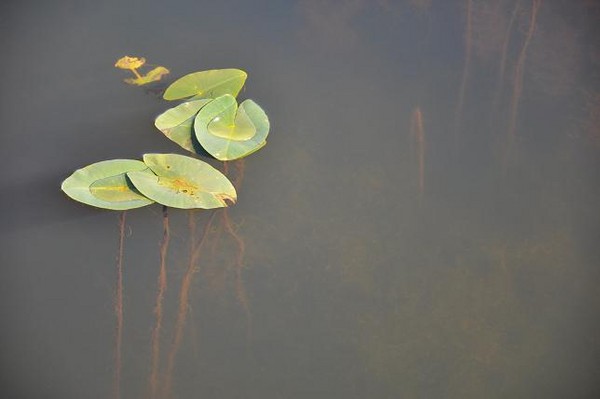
[(104, 185), (230, 132), (176, 123), (152, 76), (207, 84), (130, 62), (183, 182)]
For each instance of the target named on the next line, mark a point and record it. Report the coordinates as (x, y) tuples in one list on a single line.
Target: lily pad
[(104, 185), (183, 182), (128, 62), (207, 84), (176, 123), (229, 132)]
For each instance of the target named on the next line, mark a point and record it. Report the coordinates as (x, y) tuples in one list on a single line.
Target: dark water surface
[(459, 261)]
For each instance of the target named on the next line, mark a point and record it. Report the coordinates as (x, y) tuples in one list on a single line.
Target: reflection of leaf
[(176, 123), (229, 132), (104, 185), (152, 76), (207, 84), (183, 182)]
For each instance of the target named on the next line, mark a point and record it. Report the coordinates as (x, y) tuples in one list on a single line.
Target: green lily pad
[(207, 84), (104, 185), (229, 132), (176, 123), (183, 182)]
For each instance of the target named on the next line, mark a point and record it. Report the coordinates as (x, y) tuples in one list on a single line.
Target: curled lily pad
[(104, 185), (176, 123), (183, 182), (207, 84), (229, 132)]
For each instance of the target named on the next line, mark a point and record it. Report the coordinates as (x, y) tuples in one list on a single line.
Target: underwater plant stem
[(192, 228), (240, 290), (135, 72), (465, 74), (158, 308), (184, 293), (225, 168), (240, 165), (419, 136), (216, 241), (119, 309), (192, 231), (518, 83), (505, 43), (502, 67), (237, 183)]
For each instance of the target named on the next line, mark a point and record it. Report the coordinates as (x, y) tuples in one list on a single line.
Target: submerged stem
[(158, 309), (240, 289), (418, 136), (119, 309), (184, 300), (465, 75), (518, 83), (135, 72)]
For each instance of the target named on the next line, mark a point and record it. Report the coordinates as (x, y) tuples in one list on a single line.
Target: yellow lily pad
[(128, 62)]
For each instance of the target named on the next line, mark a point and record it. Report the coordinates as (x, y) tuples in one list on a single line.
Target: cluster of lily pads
[(209, 118)]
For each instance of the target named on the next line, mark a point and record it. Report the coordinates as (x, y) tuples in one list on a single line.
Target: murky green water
[(410, 230)]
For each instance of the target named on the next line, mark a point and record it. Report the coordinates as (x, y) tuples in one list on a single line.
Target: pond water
[(423, 222)]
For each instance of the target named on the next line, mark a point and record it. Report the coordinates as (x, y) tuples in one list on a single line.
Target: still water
[(423, 222)]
